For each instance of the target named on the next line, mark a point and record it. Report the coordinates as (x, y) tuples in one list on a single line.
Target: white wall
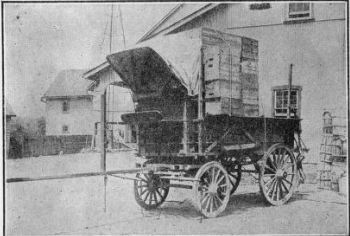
[(80, 118)]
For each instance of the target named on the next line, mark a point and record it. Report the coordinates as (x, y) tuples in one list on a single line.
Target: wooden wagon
[(194, 141)]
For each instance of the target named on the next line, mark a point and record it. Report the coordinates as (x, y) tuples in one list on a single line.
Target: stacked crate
[(231, 74)]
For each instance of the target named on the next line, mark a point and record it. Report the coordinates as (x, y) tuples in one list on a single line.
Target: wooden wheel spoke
[(218, 198), (269, 181), (160, 195), (277, 190), (146, 196), (223, 185), (221, 179), (142, 185), (284, 186), (273, 171), (284, 168), (207, 204), (211, 204), (271, 187), (283, 157), (155, 197), (212, 180), (287, 181), (273, 160), (274, 189), (281, 190), (150, 198), (204, 199), (143, 191), (216, 177), (267, 175)]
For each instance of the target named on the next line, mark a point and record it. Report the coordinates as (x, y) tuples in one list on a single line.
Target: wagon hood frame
[(146, 73)]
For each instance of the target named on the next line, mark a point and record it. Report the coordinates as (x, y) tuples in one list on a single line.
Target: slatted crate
[(231, 73)]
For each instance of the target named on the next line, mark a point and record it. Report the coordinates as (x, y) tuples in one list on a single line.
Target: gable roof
[(178, 16), (68, 83)]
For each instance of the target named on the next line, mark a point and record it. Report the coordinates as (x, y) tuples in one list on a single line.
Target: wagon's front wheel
[(278, 175), (150, 190), (212, 189)]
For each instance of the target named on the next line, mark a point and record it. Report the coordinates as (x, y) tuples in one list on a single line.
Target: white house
[(69, 106), (311, 36)]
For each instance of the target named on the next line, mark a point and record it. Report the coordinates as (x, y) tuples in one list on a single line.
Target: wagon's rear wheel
[(150, 190), (233, 168), (212, 190), (278, 175)]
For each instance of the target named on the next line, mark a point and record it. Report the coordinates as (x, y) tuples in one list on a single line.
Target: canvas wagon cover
[(171, 59)]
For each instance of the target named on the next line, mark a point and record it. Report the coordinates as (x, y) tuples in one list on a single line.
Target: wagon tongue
[(145, 72)]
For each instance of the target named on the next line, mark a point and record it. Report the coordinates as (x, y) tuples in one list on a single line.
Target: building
[(9, 114), (69, 106), (311, 36)]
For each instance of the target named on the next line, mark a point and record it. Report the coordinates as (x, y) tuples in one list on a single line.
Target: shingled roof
[(68, 83)]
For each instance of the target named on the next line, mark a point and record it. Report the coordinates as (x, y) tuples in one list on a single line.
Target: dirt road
[(75, 206)]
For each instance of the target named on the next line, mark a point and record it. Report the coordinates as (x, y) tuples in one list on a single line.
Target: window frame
[(284, 88), (65, 131), (288, 19), (67, 106)]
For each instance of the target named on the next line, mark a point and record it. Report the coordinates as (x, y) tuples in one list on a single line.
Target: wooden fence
[(51, 145)]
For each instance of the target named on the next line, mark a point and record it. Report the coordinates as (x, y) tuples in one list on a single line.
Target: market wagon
[(198, 127), (197, 122)]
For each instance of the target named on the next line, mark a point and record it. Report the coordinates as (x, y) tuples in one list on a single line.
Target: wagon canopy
[(171, 61)]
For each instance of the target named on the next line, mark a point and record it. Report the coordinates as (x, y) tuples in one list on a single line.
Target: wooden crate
[(250, 110), (221, 62), (249, 66), (223, 88), (224, 105)]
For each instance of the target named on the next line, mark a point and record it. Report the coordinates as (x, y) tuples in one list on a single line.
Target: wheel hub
[(281, 174), (213, 188)]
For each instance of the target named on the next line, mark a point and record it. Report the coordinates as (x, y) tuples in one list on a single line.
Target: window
[(299, 11), (259, 6), (280, 101), (65, 106), (65, 129)]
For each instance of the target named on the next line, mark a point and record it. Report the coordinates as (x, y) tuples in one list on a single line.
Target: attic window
[(259, 6), (65, 106), (297, 11)]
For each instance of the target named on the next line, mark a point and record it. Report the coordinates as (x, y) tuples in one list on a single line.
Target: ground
[(76, 206)]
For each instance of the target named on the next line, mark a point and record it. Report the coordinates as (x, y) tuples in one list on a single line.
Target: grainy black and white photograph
[(178, 118)]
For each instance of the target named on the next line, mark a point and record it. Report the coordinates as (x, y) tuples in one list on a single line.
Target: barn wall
[(316, 48), (80, 118), (119, 99)]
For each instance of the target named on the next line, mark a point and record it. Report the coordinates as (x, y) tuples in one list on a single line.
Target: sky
[(41, 39)]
